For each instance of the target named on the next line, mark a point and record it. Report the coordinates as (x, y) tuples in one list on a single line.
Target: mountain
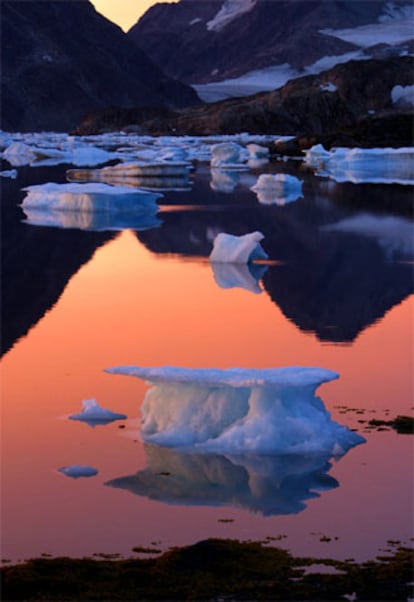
[(61, 59), (229, 38)]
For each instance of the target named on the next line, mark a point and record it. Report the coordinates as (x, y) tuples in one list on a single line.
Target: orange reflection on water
[(127, 306)]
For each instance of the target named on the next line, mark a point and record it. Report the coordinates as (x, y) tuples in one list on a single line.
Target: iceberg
[(228, 155), (94, 415), (239, 275), (237, 249), (89, 198), (359, 165), (278, 188), (19, 154), (240, 411), (75, 471), (256, 151), (91, 221), (269, 485)]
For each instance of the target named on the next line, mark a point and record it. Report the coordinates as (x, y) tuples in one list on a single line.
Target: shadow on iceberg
[(268, 485), (257, 439)]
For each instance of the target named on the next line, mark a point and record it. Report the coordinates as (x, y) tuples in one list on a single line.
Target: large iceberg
[(278, 188), (237, 249), (358, 165), (89, 197), (240, 411), (266, 484), (93, 414)]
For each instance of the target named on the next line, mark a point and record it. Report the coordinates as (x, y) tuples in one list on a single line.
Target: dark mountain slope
[(61, 59), (271, 32)]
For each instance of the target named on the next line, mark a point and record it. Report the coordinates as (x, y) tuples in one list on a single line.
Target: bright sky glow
[(124, 13)]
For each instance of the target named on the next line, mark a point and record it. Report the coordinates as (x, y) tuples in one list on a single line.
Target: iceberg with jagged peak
[(237, 249), (93, 414), (240, 411), (270, 485)]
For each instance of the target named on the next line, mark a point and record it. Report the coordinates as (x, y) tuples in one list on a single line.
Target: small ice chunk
[(18, 154), (237, 249), (228, 155), (93, 414), (9, 173), (403, 95), (75, 471), (256, 151), (278, 188)]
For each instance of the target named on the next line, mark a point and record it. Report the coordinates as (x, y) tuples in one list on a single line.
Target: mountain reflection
[(340, 269), (268, 485)]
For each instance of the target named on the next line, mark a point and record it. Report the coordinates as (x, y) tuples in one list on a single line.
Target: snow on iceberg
[(237, 249), (228, 155), (94, 415), (239, 411), (75, 471), (278, 188), (359, 165), (269, 485), (89, 198), (238, 275)]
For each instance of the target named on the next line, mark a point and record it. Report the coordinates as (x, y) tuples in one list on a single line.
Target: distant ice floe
[(9, 173), (76, 471), (277, 189), (237, 249), (266, 484), (93, 414), (239, 275), (358, 165), (240, 411), (403, 95)]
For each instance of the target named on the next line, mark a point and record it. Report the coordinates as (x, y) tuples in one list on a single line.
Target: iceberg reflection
[(268, 485)]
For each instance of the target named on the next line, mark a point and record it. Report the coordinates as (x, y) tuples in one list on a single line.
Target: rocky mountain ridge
[(61, 59)]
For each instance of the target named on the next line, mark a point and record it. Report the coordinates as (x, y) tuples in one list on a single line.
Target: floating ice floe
[(358, 165), (94, 415), (240, 411), (89, 197), (9, 173), (269, 485), (75, 471), (278, 188), (135, 169), (238, 275), (237, 249), (228, 156), (19, 154)]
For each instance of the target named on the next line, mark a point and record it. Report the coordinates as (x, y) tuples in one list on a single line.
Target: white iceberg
[(94, 415), (240, 411), (269, 485), (238, 275), (75, 471), (89, 198), (237, 249), (228, 155), (359, 165), (278, 188)]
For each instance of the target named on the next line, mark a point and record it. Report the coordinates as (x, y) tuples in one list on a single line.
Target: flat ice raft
[(89, 198), (238, 411)]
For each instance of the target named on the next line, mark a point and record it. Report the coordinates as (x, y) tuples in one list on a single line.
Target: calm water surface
[(76, 302)]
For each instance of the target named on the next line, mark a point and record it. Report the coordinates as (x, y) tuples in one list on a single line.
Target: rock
[(61, 60)]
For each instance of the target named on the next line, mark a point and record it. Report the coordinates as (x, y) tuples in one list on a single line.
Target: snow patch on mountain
[(230, 10)]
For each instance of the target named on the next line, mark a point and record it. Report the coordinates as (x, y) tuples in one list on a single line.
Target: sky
[(124, 13)]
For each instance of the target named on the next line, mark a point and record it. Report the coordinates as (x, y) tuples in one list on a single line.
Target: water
[(76, 302)]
